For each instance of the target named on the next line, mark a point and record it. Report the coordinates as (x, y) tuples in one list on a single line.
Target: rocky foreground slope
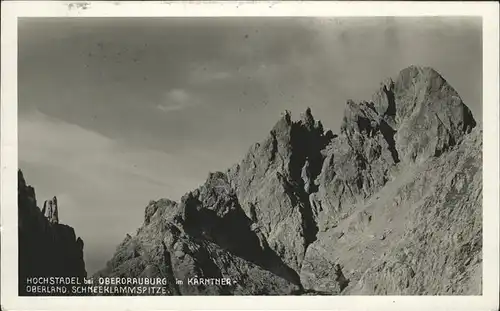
[(390, 205), (46, 247)]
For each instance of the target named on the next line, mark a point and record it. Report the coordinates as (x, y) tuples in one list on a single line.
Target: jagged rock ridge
[(390, 205), (46, 247)]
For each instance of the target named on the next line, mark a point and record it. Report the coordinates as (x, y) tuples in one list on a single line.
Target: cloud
[(179, 96), (171, 108), (176, 100)]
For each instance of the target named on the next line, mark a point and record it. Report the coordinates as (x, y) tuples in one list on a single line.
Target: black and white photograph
[(250, 156)]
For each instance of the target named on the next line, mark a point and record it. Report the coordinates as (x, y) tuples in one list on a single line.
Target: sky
[(115, 112)]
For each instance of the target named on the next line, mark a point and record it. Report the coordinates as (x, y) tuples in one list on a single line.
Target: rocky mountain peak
[(419, 114), (307, 119), (50, 210), (308, 211), (46, 247), (430, 115)]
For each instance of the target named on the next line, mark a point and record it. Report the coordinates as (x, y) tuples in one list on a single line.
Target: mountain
[(389, 205), (46, 247)]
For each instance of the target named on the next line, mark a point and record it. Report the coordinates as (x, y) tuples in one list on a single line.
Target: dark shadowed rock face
[(390, 205), (46, 247)]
